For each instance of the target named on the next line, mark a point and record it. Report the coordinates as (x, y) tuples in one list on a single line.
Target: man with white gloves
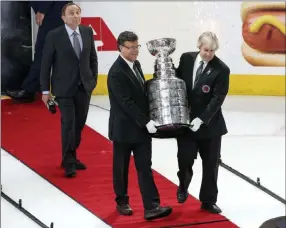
[(207, 82), (130, 128)]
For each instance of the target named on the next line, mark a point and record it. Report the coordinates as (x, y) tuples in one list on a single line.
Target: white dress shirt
[(70, 34), (196, 66), (131, 64)]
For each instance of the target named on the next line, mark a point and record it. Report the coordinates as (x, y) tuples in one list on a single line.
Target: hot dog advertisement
[(263, 31), (251, 34)]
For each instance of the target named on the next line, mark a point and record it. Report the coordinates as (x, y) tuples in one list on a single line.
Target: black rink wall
[(278, 222), (16, 43)]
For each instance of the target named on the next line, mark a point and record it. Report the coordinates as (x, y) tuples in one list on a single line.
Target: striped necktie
[(76, 44), (138, 76), (199, 72)]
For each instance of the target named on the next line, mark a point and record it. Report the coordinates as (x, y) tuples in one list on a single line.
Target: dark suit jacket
[(51, 9), (128, 104), (207, 97), (59, 55)]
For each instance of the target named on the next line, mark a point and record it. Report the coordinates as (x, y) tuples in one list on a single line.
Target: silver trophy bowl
[(167, 94), (163, 46)]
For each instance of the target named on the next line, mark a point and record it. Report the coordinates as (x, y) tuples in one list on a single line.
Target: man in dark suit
[(70, 52), (48, 17), (207, 81), (129, 125)]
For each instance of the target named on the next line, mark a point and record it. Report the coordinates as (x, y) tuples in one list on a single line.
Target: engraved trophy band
[(167, 94)]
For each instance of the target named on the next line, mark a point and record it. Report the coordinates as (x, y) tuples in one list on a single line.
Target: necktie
[(138, 76), (76, 44), (199, 72)]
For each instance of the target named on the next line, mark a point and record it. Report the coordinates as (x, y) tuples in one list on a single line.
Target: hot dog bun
[(258, 58), (250, 7), (268, 38), (264, 33)]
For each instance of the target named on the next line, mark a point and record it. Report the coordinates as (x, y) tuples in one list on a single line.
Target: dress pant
[(32, 81), (209, 150), (74, 112), (142, 156)]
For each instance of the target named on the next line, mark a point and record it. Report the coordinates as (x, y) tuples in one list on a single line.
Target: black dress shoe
[(78, 165), (124, 209), (182, 196), (21, 95), (158, 212), (212, 208), (70, 170)]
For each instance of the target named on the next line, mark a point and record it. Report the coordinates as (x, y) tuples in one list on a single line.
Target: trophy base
[(170, 131)]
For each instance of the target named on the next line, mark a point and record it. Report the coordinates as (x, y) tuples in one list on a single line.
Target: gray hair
[(210, 39)]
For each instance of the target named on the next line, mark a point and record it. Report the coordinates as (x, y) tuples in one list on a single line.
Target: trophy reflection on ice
[(167, 94)]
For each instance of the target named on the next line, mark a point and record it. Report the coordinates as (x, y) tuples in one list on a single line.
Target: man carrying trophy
[(130, 128), (207, 82)]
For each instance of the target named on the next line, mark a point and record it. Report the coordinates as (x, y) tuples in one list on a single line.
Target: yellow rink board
[(263, 85), (266, 85)]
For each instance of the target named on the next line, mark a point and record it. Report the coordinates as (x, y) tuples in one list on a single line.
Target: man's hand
[(151, 127), (46, 98), (196, 124), (39, 18)]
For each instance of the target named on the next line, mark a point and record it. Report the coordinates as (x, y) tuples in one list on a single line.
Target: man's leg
[(31, 83), (150, 196), (82, 100), (187, 153), (210, 153), (67, 109), (121, 158)]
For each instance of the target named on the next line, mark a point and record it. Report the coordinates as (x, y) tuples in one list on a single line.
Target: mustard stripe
[(267, 19)]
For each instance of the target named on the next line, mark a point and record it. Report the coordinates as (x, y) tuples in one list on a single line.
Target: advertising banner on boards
[(252, 40), (251, 37)]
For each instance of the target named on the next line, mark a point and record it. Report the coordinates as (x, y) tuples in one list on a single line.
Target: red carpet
[(32, 135)]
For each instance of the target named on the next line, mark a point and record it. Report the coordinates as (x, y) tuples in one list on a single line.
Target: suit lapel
[(85, 38), (67, 42), (129, 72), (144, 86), (137, 64), (205, 74), (192, 65), (207, 69)]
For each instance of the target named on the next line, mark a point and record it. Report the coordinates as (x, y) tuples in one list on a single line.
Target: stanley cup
[(167, 94)]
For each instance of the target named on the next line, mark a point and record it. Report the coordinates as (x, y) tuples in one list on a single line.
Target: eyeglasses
[(133, 47)]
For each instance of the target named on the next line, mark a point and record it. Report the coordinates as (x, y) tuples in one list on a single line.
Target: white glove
[(151, 126), (196, 124)]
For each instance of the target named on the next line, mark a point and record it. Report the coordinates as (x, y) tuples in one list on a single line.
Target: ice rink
[(255, 146)]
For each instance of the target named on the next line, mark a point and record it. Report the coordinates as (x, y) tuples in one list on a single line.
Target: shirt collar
[(130, 64), (70, 31), (200, 59)]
